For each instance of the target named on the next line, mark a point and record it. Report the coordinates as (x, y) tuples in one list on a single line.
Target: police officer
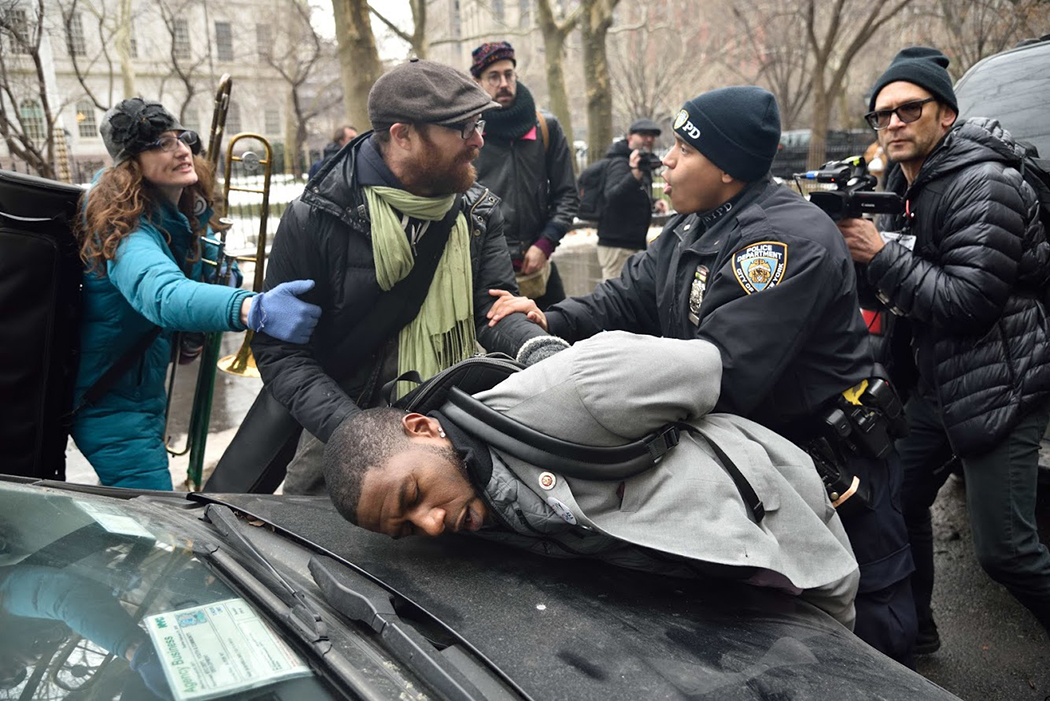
[(764, 275)]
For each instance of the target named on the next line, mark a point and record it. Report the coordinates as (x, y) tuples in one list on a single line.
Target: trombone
[(218, 126), (242, 363)]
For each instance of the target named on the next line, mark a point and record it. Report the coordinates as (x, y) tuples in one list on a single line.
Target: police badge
[(696, 293), (760, 265)]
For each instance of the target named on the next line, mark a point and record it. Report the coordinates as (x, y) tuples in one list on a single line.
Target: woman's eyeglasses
[(169, 143), (908, 112)]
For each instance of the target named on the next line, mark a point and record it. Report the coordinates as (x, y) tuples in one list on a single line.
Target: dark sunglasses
[(907, 113), (467, 129), (169, 143)]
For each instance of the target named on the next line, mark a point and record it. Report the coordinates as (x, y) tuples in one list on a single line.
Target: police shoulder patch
[(760, 266)]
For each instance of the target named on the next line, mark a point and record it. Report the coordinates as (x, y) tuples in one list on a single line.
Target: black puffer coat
[(325, 236), (628, 201), (974, 285)]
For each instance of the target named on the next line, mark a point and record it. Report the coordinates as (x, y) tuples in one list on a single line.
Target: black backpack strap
[(747, 492), (566, 457), (579, 460), (117, 369), (399, 305)]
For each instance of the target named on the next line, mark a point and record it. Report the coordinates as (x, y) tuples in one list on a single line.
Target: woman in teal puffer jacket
[(141, 242)]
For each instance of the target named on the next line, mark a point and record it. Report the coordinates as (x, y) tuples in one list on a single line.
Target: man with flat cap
[(527, 161), (399, 198), (628, 197), (764, 276)]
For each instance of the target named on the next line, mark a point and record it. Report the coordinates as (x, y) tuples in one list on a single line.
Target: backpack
[(450, 391), (591, 186), (1036, 172)]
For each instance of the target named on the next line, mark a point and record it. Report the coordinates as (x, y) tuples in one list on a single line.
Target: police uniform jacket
[(768, 280), (325, 236), (684, 516), (973, 285)]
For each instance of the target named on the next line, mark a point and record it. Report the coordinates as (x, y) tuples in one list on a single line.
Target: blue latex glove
[(281, 314)]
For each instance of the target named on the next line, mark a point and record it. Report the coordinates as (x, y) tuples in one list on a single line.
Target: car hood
[(587, 630)]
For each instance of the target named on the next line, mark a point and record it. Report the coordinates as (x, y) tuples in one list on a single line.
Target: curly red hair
[(121, 197)]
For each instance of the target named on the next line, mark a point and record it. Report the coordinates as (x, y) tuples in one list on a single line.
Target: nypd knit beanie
[(736, 128), (923, 66)]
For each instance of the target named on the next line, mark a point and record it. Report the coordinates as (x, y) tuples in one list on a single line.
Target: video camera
[(854, 194), (647, 160)]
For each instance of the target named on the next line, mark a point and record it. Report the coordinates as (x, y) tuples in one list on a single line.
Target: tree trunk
[(819, 125), (127, 69), (554, 34), (358, 58), (290, 155), (597, 18)]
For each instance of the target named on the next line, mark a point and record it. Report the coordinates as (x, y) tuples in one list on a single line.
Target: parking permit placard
[(212, 650)]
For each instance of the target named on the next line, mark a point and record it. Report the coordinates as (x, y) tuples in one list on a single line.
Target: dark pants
[(1001, 498), (555, 290), (879, 537)]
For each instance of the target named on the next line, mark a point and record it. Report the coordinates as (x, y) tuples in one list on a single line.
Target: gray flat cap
[(425, 91), (644, 126)]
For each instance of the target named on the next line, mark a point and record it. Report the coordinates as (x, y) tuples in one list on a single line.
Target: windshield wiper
[(300, 615), (447, 671)]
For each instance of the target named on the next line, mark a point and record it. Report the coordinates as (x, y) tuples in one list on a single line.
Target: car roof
[(1011, 86)]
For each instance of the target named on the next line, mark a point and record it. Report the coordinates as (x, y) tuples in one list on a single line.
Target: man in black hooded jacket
[(970, 274), (527, 162), (628, 195)]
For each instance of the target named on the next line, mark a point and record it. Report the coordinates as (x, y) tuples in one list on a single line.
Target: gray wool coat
[(685, 516)]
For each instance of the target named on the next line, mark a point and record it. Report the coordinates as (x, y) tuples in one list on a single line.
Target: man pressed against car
[(404, 474), (969, 273), (763, 275), (358, 227), (527, 161)]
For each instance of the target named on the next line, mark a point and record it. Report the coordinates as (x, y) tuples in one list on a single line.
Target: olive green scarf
[(442, 333)]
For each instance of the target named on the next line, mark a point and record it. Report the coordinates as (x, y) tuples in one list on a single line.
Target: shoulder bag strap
[(401, 303), (114, 372), (545, 131)]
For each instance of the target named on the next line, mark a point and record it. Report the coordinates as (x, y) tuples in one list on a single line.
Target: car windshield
[(1011, 87), (99, 600)]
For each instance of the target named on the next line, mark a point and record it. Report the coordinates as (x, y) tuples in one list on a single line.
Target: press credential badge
[(213, 650)]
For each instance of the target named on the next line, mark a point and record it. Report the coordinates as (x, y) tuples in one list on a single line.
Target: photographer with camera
[(753, 268), (628, 197), (967, 266)]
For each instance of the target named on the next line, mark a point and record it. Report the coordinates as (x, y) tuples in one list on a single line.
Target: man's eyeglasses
[(467, 129), (169, 143), (495, 78), (908, 112)]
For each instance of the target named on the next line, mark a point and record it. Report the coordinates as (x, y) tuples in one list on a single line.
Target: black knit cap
[(425, 91), (736, 128), (922, 66)]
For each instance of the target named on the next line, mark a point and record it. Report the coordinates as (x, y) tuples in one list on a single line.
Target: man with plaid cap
[(360, 227), (527, 161)]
